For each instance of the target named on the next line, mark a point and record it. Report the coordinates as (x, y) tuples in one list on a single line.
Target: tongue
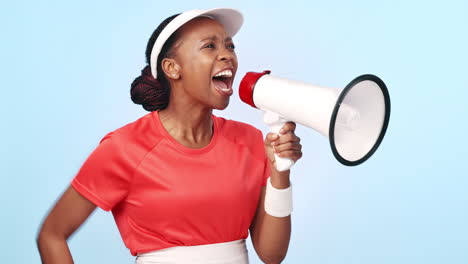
[(220, 84)]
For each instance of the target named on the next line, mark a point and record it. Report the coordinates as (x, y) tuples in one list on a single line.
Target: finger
[(289, 137), (287, 146), (271, 137), (291, 154), (288, 127)]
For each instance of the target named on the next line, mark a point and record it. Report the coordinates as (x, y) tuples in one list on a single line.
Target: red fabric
[(163, 194)]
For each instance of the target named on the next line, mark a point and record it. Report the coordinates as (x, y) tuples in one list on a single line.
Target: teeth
[(227, 73)]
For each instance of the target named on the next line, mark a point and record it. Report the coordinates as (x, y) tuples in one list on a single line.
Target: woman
[(184, 185)]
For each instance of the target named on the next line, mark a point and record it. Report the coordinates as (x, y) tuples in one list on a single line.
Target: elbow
[(41, 233), (43, 236), (268, 253), (51, 247), (41, 242), (38, 240), (272, 258), (41, 239), (39, 236), (276, 260)]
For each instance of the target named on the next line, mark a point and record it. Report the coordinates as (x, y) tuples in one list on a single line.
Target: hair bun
[(148, 91), (146, 73)]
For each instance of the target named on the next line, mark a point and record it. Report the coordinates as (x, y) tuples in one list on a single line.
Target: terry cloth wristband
[(278, 202)]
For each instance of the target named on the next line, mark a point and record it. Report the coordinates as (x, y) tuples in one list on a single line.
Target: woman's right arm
[(70, 211)]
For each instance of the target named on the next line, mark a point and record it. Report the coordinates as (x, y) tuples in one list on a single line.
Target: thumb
[(270, 137)]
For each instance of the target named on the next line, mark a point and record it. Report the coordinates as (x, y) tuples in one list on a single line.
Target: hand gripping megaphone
[(354, 119)]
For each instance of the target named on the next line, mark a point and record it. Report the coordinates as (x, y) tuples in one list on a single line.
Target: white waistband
[(234, 252)]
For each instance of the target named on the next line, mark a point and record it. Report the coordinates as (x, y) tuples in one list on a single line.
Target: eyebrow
[(215, 37)]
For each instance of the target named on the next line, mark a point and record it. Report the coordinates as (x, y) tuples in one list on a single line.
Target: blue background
[(66, 70)]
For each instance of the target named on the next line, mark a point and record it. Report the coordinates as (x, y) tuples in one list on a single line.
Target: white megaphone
[(354, 119)]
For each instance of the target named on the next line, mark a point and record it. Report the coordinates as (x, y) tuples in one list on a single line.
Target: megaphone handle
[(276, 122)]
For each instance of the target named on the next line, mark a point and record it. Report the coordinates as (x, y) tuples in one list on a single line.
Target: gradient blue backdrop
[(66, 69)]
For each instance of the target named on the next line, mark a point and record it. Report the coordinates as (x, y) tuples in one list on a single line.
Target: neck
[(188, 123)]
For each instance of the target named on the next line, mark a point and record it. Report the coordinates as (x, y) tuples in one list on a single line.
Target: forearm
[(273, 238), (274, 232), (53, 249)]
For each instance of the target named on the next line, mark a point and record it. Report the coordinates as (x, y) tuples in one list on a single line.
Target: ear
[(171, 68)]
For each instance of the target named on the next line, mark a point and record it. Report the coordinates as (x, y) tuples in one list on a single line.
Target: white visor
[(230, 18)]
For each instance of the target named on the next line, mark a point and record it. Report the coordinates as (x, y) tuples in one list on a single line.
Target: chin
[(222, 106)]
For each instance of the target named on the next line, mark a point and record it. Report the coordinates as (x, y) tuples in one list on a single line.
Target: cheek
[(197, 75), (198, 66), (234, 60)]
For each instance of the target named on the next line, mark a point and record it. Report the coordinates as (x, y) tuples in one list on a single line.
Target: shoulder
[(240, 132), (140, 132)]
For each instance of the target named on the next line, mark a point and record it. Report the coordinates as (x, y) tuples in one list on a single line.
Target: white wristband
[(278, 202)]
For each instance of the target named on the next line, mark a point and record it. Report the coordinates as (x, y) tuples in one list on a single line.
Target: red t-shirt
[(163, 194)]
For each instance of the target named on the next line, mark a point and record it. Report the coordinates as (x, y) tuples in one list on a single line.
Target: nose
[(226, 54)]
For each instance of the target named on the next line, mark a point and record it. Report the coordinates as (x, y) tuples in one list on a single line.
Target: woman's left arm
[(270, 235)]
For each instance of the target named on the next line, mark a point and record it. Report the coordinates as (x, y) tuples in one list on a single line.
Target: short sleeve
[(266, 172), (266, 162), (104, 178)]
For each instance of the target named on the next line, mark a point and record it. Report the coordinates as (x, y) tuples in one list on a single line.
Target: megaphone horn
[(354, 119)]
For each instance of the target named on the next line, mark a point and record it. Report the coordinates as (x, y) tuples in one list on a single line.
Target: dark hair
[(153, 94)]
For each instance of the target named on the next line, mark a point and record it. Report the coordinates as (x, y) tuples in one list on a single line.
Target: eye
[(231, 46), (209, 45)]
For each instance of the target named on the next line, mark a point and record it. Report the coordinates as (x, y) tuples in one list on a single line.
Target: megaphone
[(354, 119)]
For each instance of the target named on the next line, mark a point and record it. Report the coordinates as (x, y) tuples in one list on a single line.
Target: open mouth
[(223, 81)]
